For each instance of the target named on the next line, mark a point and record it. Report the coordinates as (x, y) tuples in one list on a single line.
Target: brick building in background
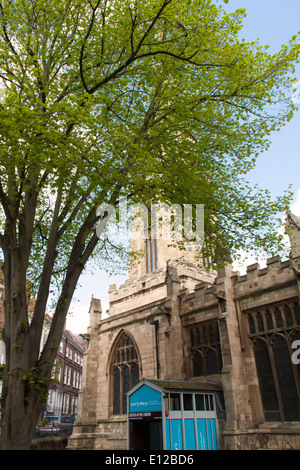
[(217, 348), (64, 390), (67, 375)]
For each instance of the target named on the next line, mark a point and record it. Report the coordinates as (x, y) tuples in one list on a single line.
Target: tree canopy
[(100, 99)]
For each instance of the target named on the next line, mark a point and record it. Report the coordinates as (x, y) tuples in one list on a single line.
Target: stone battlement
[(152, 286), (276, 282)]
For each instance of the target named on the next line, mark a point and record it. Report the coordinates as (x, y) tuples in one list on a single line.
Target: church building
[(191, 359)]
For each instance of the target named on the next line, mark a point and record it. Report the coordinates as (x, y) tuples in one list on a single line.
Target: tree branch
[(83, 45)]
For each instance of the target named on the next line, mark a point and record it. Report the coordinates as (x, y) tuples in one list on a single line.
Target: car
[(55, 426)]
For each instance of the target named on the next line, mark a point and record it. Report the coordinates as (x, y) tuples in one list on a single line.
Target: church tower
[(152, 259)]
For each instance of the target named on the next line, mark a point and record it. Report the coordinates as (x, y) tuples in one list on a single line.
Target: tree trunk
[(26, 374), (27, 371), (22, 402)]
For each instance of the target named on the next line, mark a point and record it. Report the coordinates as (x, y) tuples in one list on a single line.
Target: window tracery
[(205, 349), (125, 372), (272, 330)]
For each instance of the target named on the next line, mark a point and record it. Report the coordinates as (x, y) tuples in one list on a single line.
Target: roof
[(68, 334), (185, 385), (178, 385)]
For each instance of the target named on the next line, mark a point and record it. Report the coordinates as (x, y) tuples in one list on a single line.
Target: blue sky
[(273, 22)]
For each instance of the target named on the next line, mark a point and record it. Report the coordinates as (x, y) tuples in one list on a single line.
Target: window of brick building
[(125, 372)]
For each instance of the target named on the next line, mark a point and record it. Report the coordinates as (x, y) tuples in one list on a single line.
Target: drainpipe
[(155, 323)]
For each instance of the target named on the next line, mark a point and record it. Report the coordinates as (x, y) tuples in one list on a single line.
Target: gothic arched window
[(124, 372), (272, 331), (205, 349)]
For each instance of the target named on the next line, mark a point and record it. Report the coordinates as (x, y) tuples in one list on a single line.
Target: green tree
[(154, 100)]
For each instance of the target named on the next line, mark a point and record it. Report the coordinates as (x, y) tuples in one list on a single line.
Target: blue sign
[(202, 435), (176, 433), (145, 399), (207, 434)]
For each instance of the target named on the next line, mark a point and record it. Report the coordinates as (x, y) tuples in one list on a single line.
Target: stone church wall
[(157, 311)]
